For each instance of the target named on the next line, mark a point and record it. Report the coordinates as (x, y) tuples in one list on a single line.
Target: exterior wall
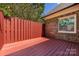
[(51, 30)]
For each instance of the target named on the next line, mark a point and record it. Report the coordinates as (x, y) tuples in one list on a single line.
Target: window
[(67, 24)]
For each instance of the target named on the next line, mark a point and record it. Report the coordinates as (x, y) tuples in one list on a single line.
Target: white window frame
[(75, 24)]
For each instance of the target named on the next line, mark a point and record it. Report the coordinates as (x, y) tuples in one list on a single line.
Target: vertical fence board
[(1, 30), (30, 29), (8, 30), (21, 29), (24, 30), (5, 31), (12, 30), (18, 29), (27, 30), (16, 34)]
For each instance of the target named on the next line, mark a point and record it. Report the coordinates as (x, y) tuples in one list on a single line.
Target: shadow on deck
[(46, 47)]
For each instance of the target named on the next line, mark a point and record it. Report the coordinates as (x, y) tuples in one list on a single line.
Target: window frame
[(75, 24)]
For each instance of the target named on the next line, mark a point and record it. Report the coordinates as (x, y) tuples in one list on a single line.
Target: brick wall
[(51, 30)]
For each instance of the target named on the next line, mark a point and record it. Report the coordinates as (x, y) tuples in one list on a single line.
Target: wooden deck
[(45, 47)]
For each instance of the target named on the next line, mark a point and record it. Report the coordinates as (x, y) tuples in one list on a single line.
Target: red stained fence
[(15, 29)]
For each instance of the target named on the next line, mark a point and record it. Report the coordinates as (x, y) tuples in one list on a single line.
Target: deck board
[(49, 47), (73, 50), (67, 51), (54, 48), (45, 49), (77, 51)]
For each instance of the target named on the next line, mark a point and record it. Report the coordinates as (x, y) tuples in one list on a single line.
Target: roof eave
[(58, 10)]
